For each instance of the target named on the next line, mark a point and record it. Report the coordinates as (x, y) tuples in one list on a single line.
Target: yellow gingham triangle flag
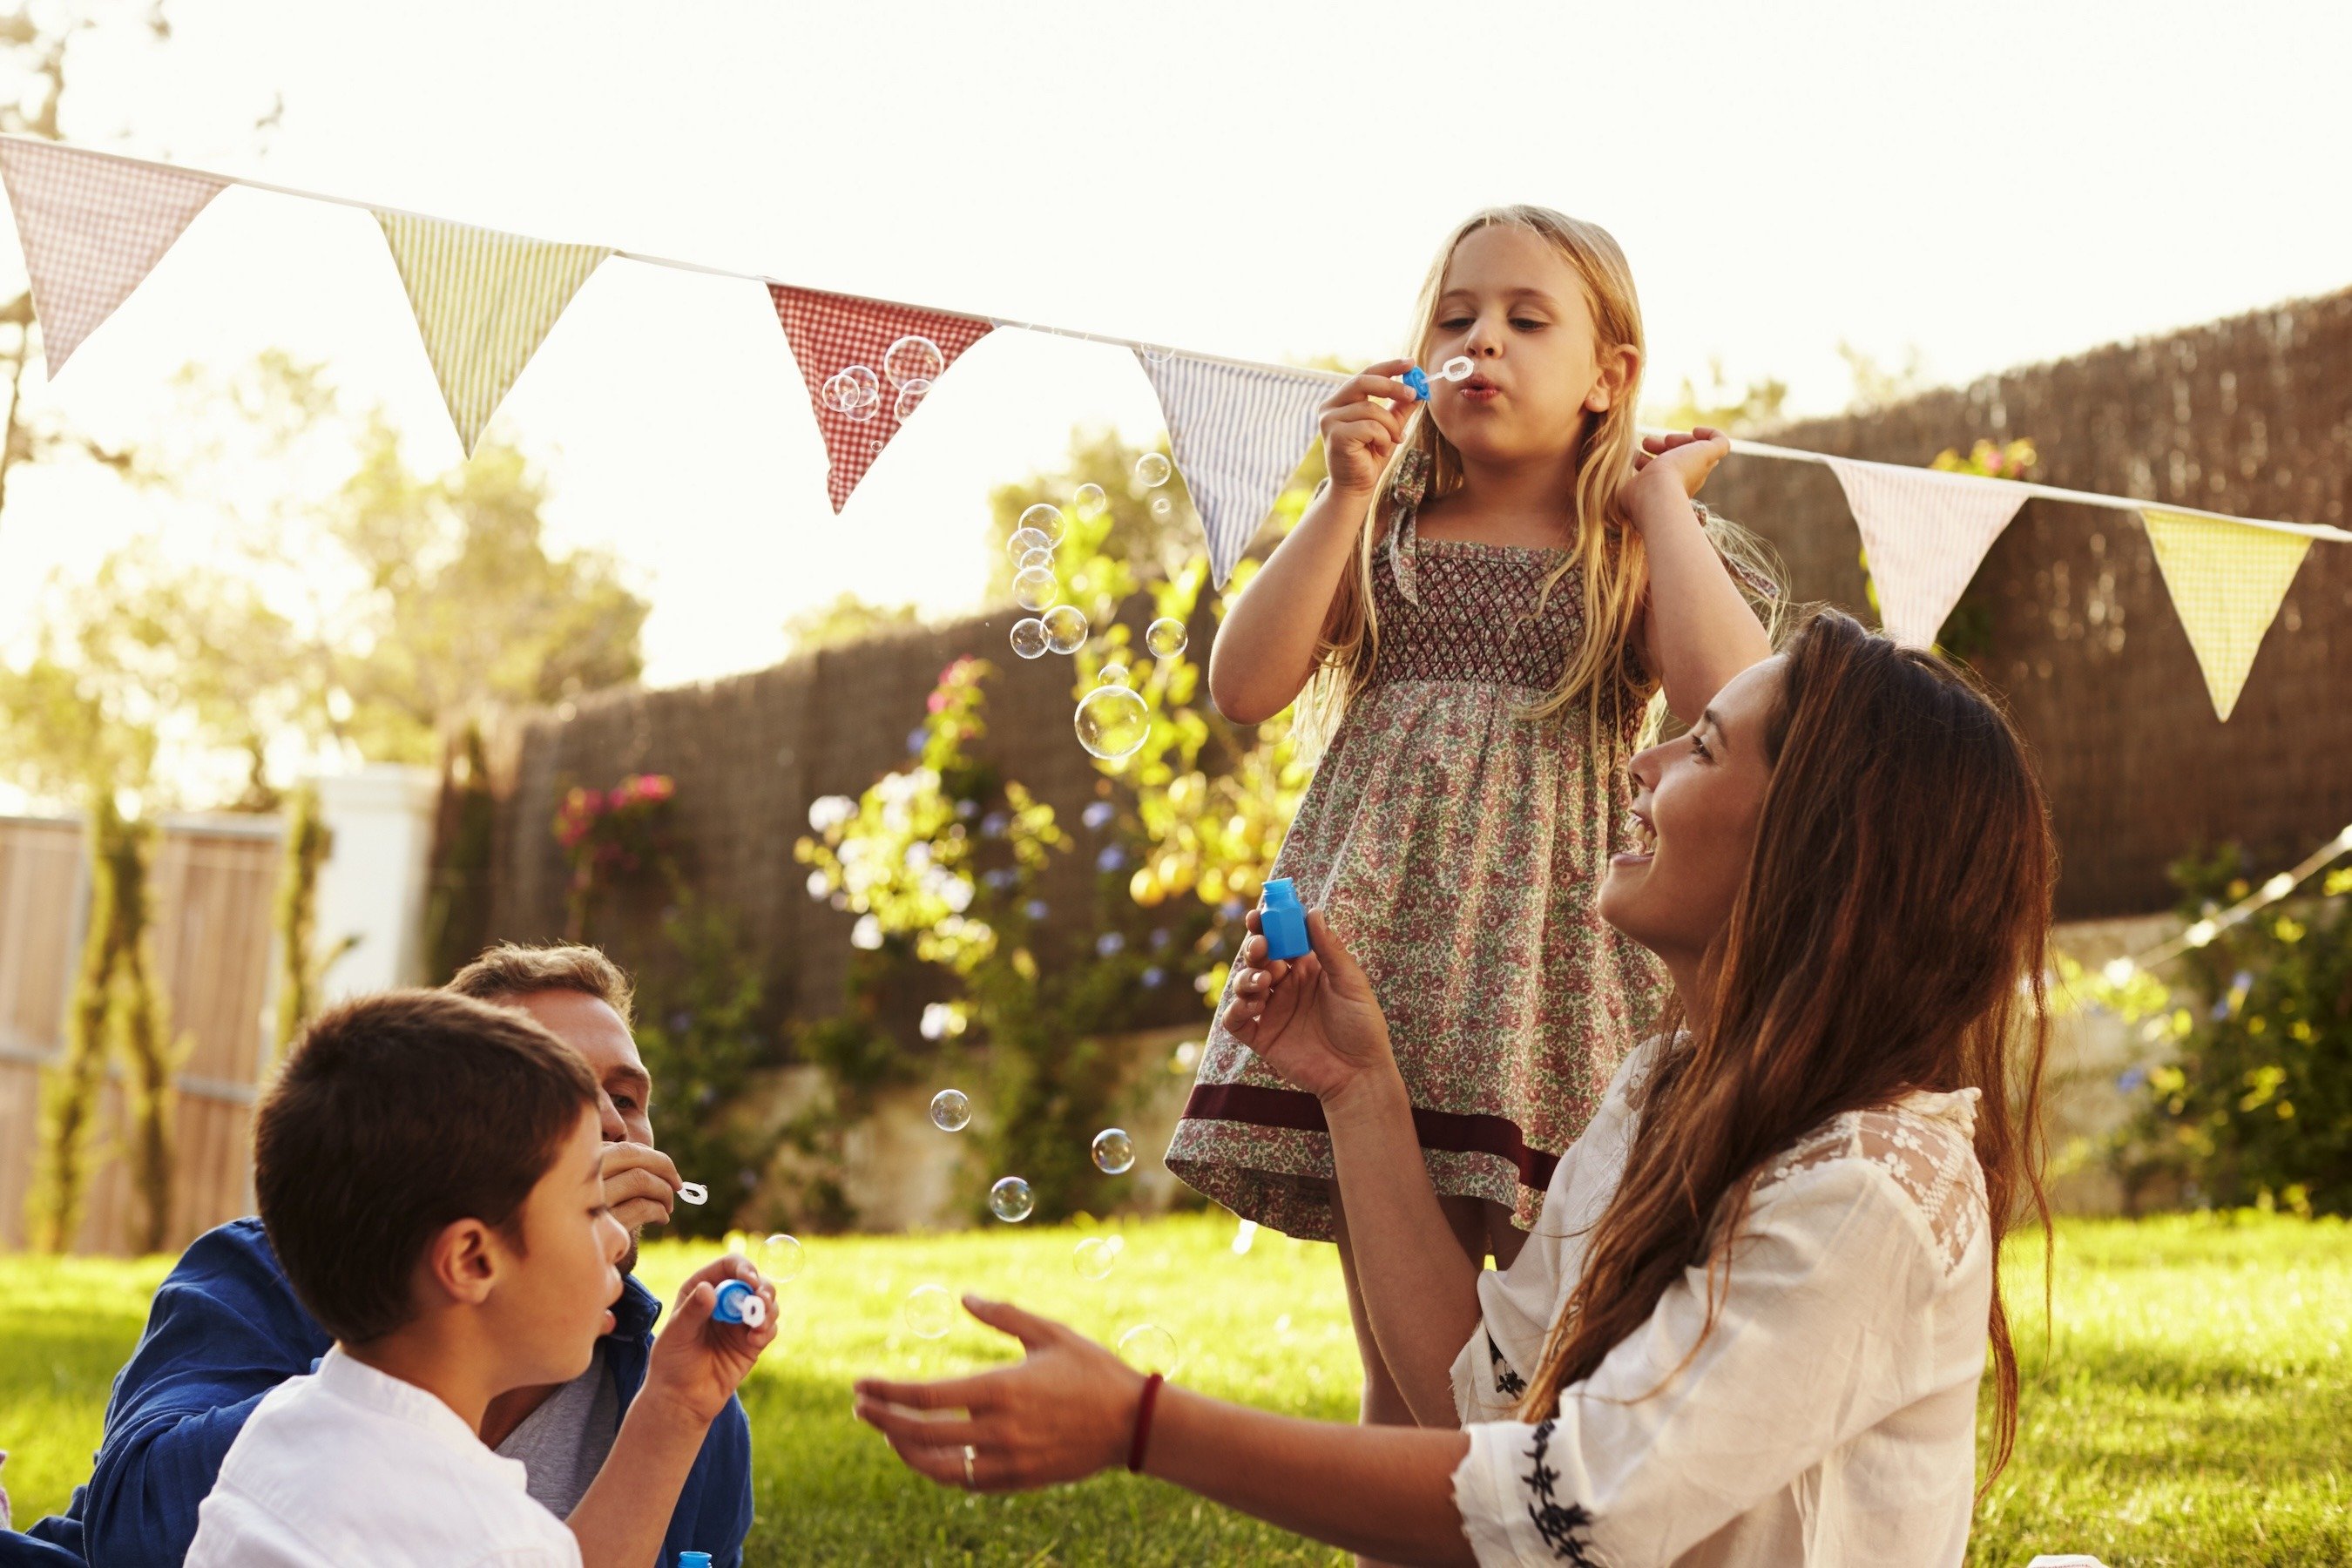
[(2226, 581), (483, 300)]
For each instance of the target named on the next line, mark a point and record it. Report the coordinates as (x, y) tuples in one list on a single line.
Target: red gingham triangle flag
[(830, 332), (92, 227)]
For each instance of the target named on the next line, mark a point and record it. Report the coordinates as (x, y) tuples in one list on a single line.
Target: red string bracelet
[(1143, 1422)]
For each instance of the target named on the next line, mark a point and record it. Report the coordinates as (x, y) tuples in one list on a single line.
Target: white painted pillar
[(374, 882)]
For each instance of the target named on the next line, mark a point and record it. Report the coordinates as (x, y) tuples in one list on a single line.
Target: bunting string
[(93, 223)]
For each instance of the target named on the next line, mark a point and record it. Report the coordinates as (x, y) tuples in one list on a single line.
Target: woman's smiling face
[(1696, 802)]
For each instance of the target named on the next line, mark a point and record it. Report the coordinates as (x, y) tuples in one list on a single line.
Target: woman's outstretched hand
[(1313, 1019), (1062, 1414)]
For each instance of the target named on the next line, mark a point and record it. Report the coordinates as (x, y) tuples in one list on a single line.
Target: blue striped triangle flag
[(483, 300), (1237, 432)]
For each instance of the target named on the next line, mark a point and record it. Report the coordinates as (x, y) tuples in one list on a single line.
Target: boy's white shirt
[(351, 1465)]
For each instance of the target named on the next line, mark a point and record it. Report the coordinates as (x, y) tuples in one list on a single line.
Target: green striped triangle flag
[(483, 300)]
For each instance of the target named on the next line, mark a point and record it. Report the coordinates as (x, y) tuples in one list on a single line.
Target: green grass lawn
[(2193, 1405)]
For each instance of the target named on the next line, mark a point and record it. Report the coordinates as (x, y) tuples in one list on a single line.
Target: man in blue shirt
[(226, 1329)]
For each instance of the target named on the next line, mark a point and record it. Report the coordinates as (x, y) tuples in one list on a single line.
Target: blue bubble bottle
[(1282, 922), (739, 1303), (693, 1560), (1458, 368)]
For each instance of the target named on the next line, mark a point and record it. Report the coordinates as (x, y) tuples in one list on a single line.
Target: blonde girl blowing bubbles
[(1486, 595)]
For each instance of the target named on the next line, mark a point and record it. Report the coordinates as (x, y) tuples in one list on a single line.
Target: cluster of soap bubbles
[(911, 366), (1112, 721), (1049, 627), (928, 1309)]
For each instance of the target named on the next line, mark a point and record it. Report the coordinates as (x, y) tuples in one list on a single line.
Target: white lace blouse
[(1829, 1416)]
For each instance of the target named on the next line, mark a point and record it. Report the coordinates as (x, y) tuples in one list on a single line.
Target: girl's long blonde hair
[(1612, 566)]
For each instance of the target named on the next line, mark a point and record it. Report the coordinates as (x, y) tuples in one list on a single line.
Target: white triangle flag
[(1237, 432), (2226, 581), (1926, 532), (93, 227)]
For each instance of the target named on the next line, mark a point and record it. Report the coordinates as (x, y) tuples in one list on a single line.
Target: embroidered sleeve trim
[(1508, 1381), (1565, 1527)]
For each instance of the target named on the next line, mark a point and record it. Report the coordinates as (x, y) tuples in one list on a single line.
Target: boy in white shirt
[(429, 1172)]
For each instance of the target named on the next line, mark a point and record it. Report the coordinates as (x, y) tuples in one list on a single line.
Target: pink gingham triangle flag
[(831, 333), (1926, 532), (93, 227)]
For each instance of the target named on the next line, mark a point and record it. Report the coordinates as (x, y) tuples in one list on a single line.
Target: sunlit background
[(1942, 196)]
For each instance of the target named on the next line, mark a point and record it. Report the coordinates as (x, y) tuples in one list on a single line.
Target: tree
[(464, 604), (1735, 411), (847, 619), (350, 610)]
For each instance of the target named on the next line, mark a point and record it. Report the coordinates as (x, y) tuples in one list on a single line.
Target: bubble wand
[(1458, 368)]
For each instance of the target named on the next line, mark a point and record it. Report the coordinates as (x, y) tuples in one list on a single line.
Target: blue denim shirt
[(224, 1330)]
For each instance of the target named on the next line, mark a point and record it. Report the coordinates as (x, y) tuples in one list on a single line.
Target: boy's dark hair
[(508, 970), (393, 1116)]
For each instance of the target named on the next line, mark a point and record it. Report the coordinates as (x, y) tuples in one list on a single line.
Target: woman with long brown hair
[(1752, 1325)]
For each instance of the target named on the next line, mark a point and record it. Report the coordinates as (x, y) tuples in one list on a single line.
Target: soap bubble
[(1166, 637), (930, 1311), (1034, 588), (1152, 469), (853, 388), (1026, 541), (1093, 1257), (1089, 501), (778, 1257), (1112, 723), (911, 360), (1065, 628), (1112, 675), (1153, 353), (1147, 1347), (1042, 556), (1011, 1200), (861, 411), (1162, 508), (911, 398), (1114, 1152), (1046, 519), (1029, 638), (1458, 368), (951, 1110)]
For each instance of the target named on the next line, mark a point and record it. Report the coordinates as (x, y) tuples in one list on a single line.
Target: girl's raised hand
[(1363, 424), (1682, 457), (1314, 1020)]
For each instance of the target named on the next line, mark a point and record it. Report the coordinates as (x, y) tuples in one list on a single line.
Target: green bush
[(2254, 1106)]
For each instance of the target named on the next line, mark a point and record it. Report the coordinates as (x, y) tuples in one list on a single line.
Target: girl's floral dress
[(1456, 846)]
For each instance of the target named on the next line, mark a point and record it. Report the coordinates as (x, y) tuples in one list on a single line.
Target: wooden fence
[(212, 884)]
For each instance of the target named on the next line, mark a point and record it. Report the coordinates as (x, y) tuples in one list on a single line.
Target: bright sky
[(2011, 184)]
